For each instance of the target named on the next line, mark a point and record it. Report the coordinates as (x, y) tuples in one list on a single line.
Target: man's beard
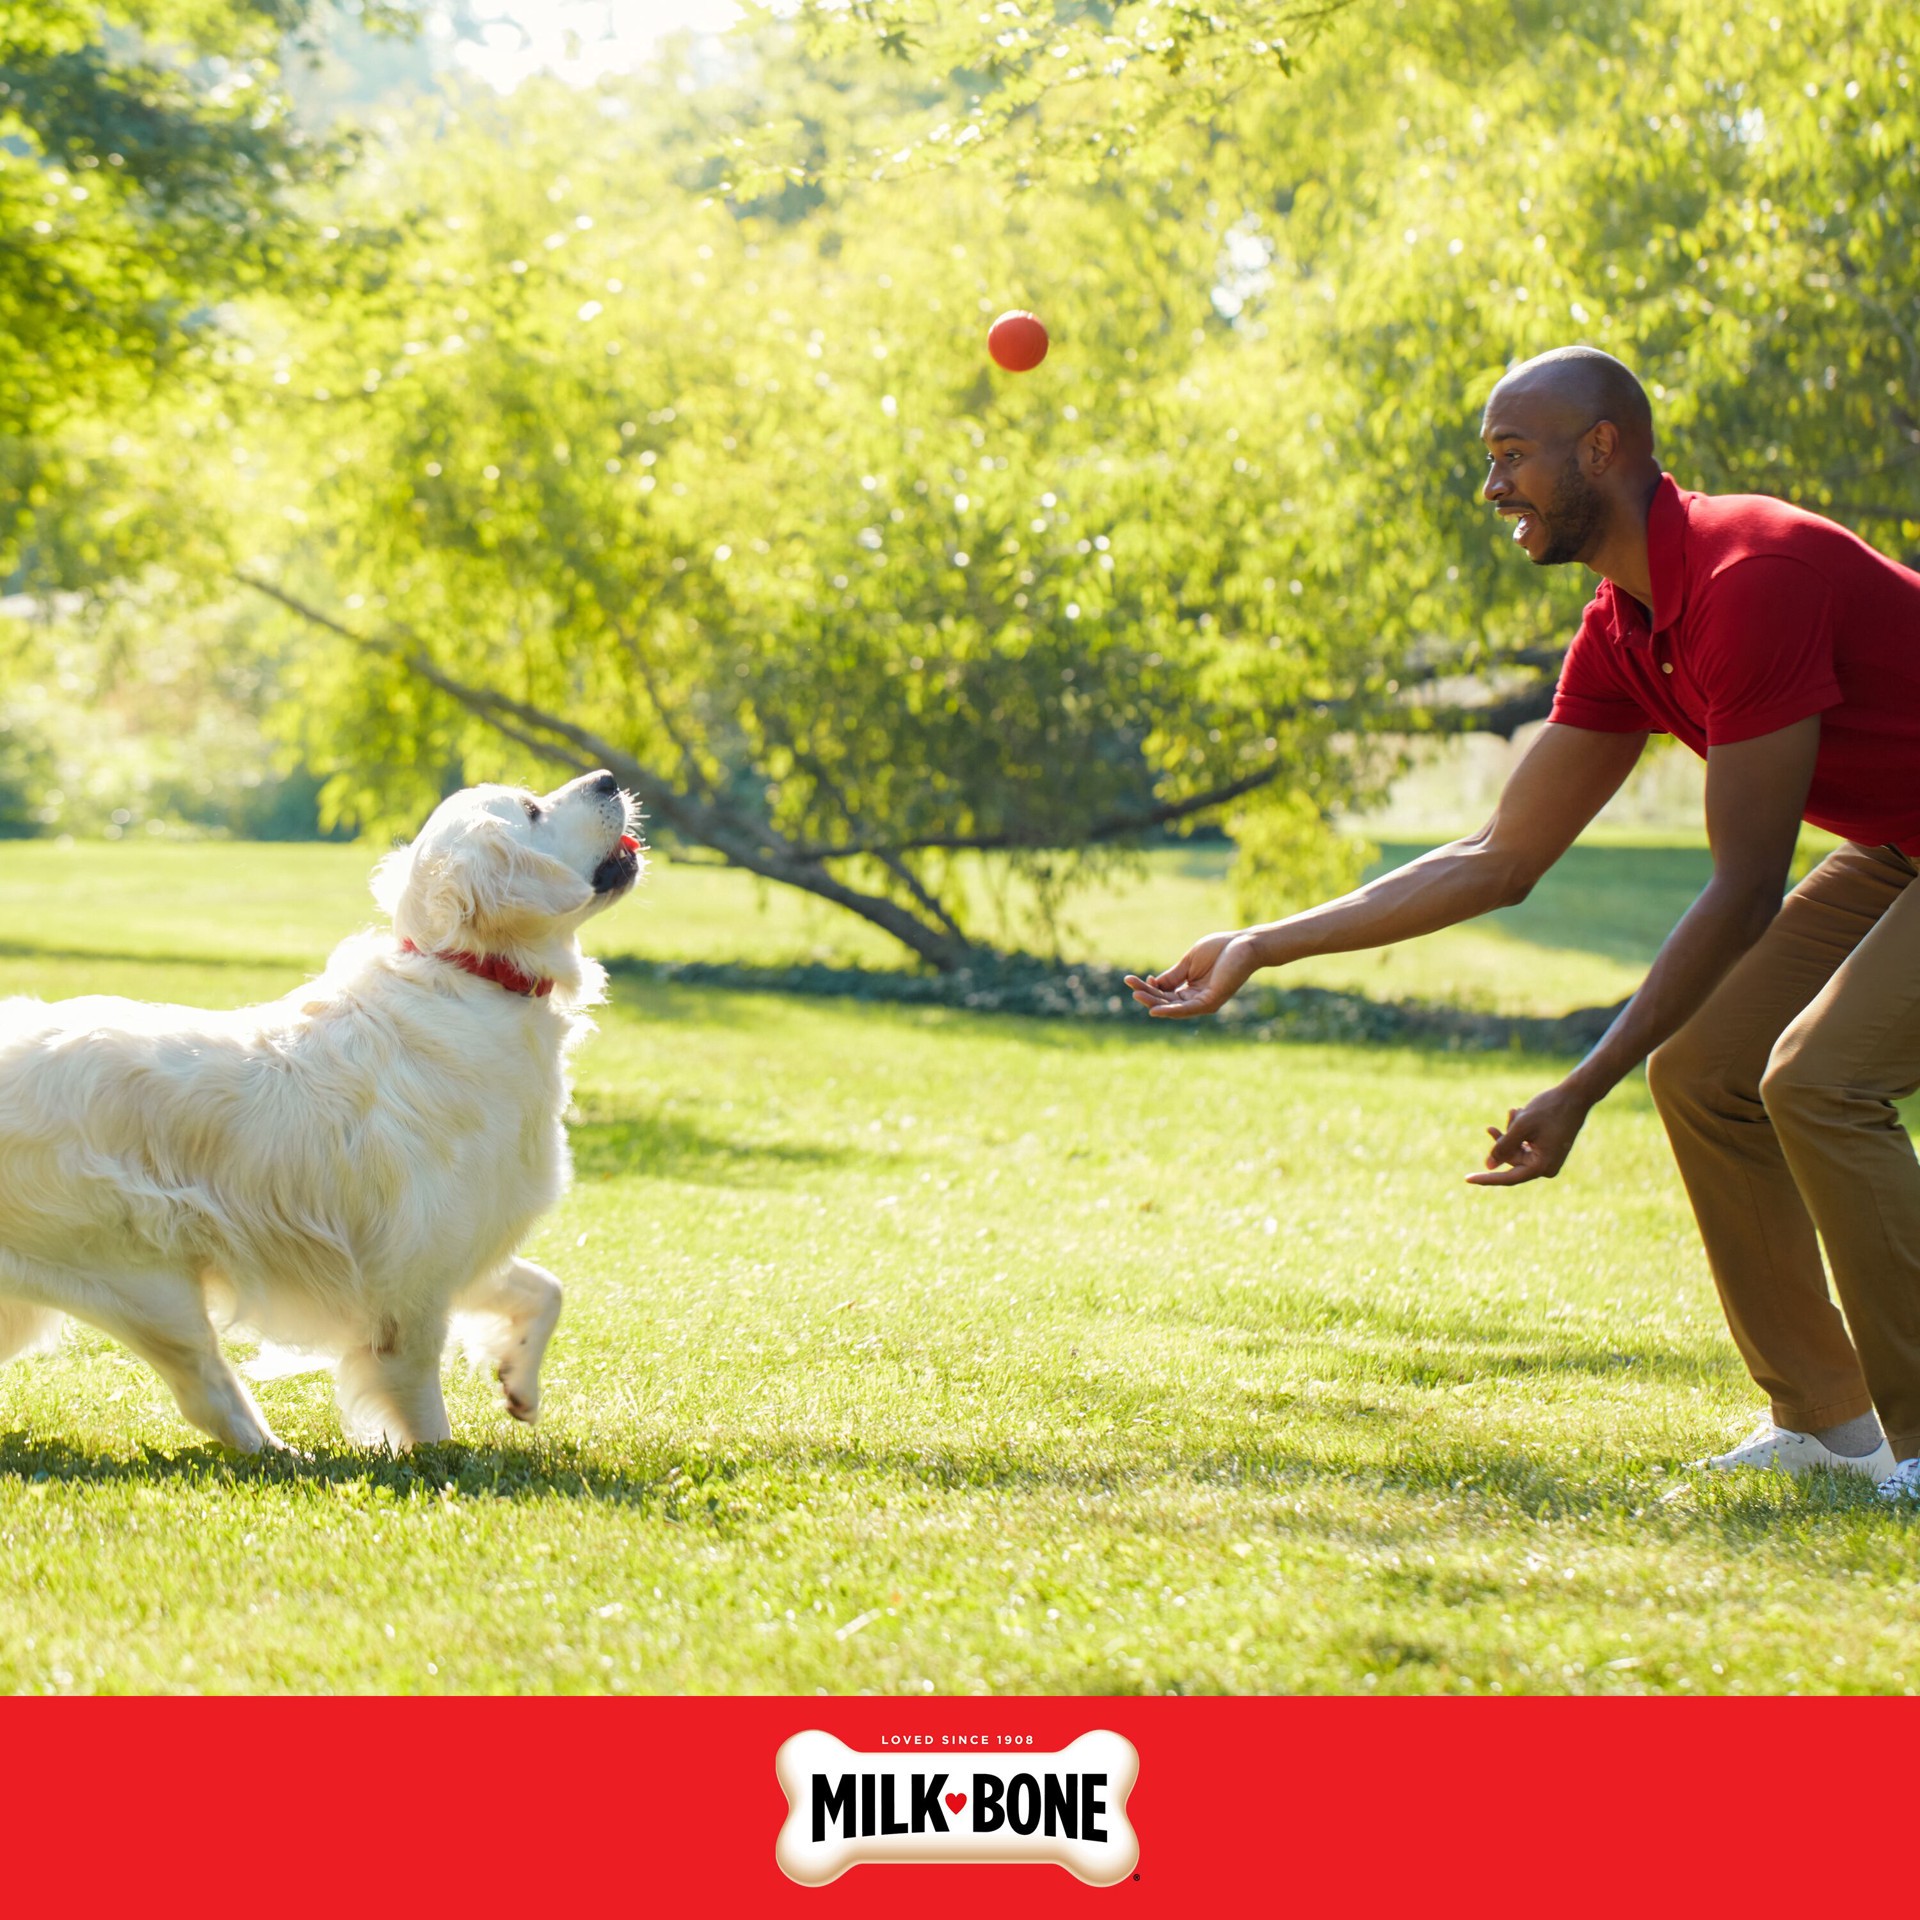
[(1573, 519)]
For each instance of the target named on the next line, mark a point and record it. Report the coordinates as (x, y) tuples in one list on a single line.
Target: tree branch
[(752, 845), (638, 654), (890, 859), (758, 847), (1503, 717)]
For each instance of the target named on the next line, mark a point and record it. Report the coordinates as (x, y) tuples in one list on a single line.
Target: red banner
[(611, 1807)]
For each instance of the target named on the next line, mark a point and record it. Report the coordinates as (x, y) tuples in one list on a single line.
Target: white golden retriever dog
[(342, 1171)]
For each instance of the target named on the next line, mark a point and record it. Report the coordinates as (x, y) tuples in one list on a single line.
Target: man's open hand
[(1537, 1140), (1202, 980)]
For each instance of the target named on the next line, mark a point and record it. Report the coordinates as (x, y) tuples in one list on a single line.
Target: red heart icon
[(955, 1801)]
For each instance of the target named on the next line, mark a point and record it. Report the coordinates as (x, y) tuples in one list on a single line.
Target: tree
[(589, 443), (618, 458), (725, 497)]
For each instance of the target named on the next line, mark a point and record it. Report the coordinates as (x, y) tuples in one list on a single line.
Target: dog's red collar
[(503, 973)]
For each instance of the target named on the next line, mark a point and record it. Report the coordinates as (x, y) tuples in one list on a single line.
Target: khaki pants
[(1778, 1098)]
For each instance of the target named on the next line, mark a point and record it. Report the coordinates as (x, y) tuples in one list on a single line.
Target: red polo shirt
[(1763, 615)]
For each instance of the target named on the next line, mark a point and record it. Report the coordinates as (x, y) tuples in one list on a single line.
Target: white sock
[(1852, 1439)]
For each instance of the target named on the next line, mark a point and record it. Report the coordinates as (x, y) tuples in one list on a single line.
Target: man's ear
[(1603, 446)]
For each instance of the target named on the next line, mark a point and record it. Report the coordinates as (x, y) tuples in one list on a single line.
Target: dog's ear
[(517, 890), (482, 886), (390, 879)]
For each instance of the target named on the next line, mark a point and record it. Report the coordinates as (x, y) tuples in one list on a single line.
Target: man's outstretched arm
[(1756, 790), (1566, 777)]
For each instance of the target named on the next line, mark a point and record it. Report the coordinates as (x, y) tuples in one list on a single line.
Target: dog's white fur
[(341, 1171)]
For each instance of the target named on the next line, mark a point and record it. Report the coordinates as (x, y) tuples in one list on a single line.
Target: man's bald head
[(1568, 389), (1569, 438)]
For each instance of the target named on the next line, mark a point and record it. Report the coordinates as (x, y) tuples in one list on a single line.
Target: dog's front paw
[(520, 1391)]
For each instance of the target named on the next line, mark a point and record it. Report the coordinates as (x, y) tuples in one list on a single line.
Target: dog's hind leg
[(518, 1307), (163, 1318), (390, 1391), (169, 1330), (25, 1328)]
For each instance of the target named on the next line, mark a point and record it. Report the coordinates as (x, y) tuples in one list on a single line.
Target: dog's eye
[(533, 808)]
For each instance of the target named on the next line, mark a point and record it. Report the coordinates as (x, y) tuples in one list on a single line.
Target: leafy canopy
[(656, 422), (146, 159), (716, 470), (733, 487)]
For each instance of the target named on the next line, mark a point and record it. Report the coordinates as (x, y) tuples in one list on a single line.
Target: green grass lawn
[(912, 1350)]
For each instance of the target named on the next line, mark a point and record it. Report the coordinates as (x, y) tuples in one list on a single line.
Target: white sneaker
[(1780, 1450), (1903, 1483)]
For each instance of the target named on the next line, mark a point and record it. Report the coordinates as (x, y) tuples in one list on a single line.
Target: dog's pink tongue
[(630, 843)]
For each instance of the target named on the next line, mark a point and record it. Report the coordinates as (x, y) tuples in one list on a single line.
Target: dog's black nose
[(603, 782)]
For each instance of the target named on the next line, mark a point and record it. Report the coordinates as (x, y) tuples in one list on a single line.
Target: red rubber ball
[(1017, 341)]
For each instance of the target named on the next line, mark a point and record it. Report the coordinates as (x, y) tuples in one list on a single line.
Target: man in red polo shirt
[(1777, 1035)]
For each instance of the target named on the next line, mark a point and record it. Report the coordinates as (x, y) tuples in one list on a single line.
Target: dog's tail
[(27, 1329)]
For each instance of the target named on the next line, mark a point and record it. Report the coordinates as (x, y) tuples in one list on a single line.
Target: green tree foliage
[(1055, 89), (1287, 856), (652, 425), (726, 495), (622, 447), (1724, 194), (26, 771), (146, 156), (136, 715)]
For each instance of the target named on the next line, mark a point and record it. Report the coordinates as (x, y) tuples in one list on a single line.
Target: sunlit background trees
[(369, 428)]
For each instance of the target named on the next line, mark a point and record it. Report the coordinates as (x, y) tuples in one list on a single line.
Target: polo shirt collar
[(1666, 562)]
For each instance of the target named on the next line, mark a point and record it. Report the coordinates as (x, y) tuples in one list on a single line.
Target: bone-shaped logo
[(1069, 1807)]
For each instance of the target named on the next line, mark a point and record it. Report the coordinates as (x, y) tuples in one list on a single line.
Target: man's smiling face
[(1535, 477)]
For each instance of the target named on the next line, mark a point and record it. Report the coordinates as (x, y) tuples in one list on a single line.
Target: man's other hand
[(1537, 1140), (1202, 980)]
